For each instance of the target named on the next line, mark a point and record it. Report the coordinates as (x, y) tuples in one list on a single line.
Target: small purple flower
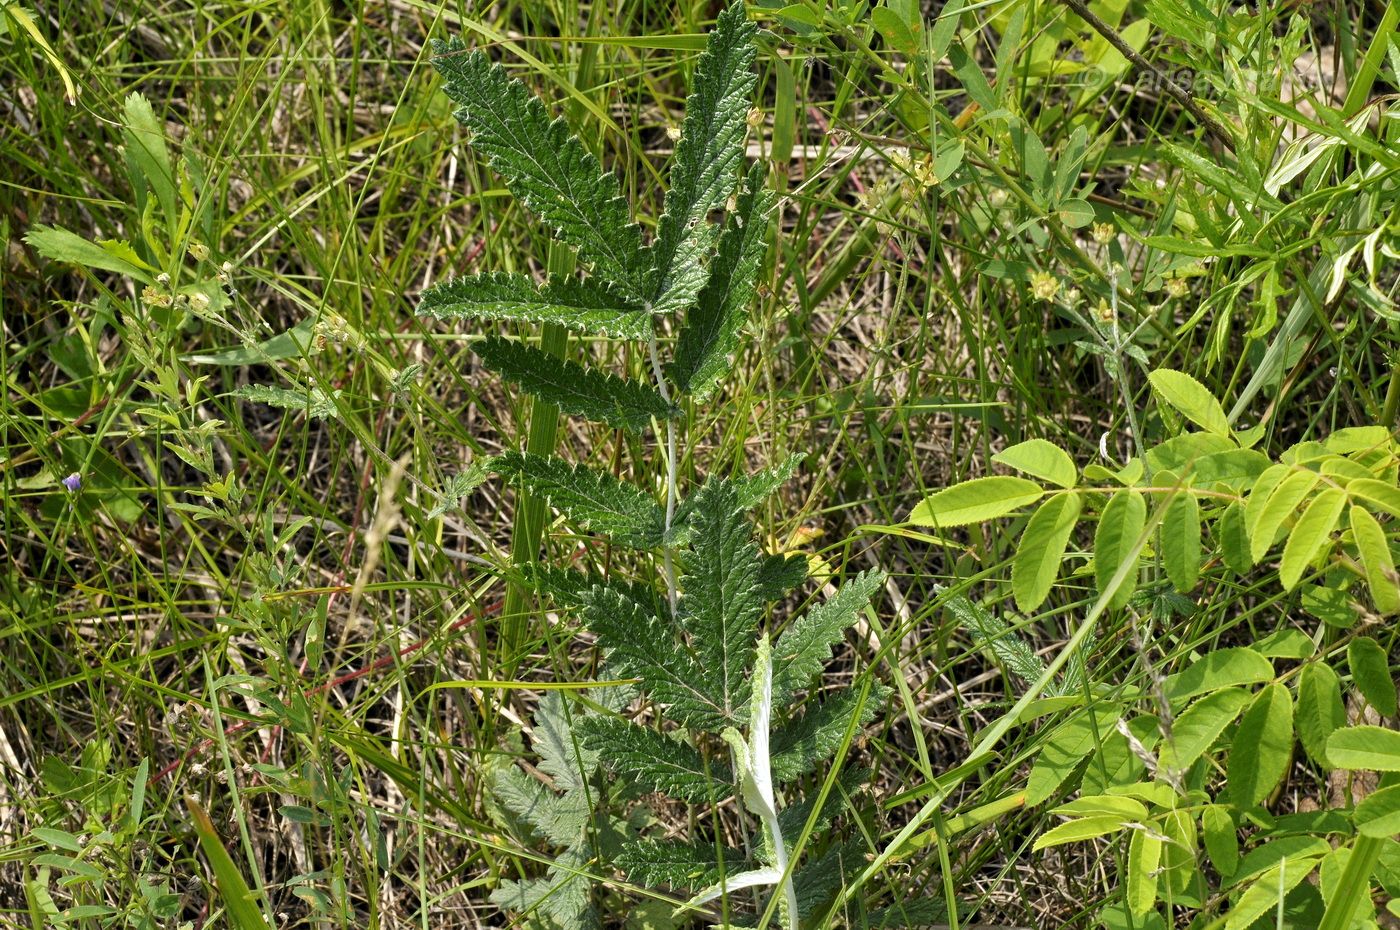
[(73, 482)]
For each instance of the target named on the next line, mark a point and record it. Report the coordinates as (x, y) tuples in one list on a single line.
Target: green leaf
[(313, 402), (552, 736), (1036, 564), (1077, 831), (581, 306), (991, 633), (975, 501), (1377, 495), (1310, 534), (1197, 729), (1120, 526), (711, 330), (707, 160), (1378, 815), (800, 746), (754, 489), (560, 819), (1042, 459), (654, 761), (595, 500), (643, 646), (804, 647), (1262, 748), (720, 604), (1076, 213), (1280, 506), (1320, 710), (1191, 399), (1374, 749), (1144, 852), (586, 392), (1370, 672), (144, 137), (1221, 838), (60, 245), (1286, 643), (1181, 540), (695, 864), (1064, 750), (1262, 897), (243, 912), (1376, 560), (1219, 668), (1233, 539), (545, 166), (897, 33)]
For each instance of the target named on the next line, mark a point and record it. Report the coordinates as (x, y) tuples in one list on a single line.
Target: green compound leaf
[(1191, 399), (707, 160), (975, 501), (1041, 459), (545, 166), (1181, 541), (1320, 710), (1233, 539), (1036, 564), (583, 307), (1376, 560), (1378, 495), (1370, 672), (652, 760), (721, 602), (593, 499), (1077, 831), (710, 334), (804, 648), (1120, 526), (586, 392), (1310, 534), (1262, 748)]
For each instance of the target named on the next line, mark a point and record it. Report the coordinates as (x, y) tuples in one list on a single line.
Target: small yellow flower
[(755, 118), (1104, 312), (1176, 287), (1103, 233), (1044, 285), (199, 251)]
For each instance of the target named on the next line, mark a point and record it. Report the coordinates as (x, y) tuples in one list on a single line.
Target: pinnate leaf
[(594, 499), (653, 760), (707, 159), (545, 166), (711, 330), (583, 307), (573, 388), (804, 648), (1181, 540)]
